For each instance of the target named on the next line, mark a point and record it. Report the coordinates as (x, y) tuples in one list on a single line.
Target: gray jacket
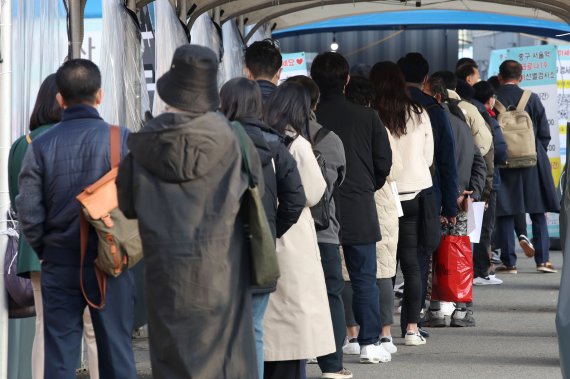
[(333, 151)]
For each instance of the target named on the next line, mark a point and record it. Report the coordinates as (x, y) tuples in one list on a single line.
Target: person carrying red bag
[(455, 250)]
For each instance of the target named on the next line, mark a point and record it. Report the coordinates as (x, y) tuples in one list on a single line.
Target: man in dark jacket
[(183, 181), (525, 190), (58, 165), (444, 176), (368, 163), (263, 63)]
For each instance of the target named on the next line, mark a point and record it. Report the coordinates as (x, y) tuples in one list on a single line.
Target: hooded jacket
[(183, 180)]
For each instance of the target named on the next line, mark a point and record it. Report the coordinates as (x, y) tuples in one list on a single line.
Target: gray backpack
[(518, 131)]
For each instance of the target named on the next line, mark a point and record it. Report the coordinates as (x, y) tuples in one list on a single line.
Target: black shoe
[(423, 332), (462, 318), (434, 319)]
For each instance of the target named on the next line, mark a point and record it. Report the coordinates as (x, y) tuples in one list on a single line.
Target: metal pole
[(241, 25), (217, 15), (183, 11), (76, 28), (5, 142), (132, 5)]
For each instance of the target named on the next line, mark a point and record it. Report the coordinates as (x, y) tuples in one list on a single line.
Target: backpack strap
[(524, 100), (115, 133), (115, 152), (320, 135), (499, 107)]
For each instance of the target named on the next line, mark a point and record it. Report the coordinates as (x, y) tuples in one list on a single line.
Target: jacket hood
[(178, 147)]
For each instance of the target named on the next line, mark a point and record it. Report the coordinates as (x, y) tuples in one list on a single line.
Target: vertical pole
[(5, 142), (132, 75), (76, 28), (241, 25), (217, 15), (183, 10)]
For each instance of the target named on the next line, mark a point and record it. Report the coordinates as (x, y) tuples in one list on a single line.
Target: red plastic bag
[(453, 270)]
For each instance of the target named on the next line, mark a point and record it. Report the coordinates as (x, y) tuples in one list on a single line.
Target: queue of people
[(392, 155)]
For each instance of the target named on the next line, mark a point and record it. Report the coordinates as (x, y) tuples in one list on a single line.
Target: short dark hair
[(414, 67), (78, 81), (449, 79), (46, 109), (290, 105), (483, 91), (465, 70), (241, 99), (360, 91), (465, 60), (263, 58), (309, 85), (360, 69), (330, 71), (494, 81), (464, 90), (438, 87), (510, 69)]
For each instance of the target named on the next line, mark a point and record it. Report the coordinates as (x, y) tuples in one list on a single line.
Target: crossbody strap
[(115, 152), (242, 140)]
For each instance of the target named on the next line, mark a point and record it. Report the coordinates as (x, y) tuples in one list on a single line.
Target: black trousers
[(285, 370), (408, 256), (481, 259), (332, 268)]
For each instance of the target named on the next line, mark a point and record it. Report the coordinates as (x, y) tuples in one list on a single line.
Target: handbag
[(119, 246), (453, 270), (429, 228), (20, 291), (263, 256)]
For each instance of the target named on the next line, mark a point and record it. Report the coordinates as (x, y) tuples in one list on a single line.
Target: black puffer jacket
[(284, 197)]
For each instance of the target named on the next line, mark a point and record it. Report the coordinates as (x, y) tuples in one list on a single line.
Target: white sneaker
[(414, 339), (486, 281), (388, 345), (312, 361), (447, 308), (351, 347), (374, 353)]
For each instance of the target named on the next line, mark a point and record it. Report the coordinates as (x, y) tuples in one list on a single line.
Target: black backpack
[(321, 211)]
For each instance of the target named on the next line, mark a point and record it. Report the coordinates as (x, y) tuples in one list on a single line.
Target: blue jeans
[(361, 265), (259, 303)]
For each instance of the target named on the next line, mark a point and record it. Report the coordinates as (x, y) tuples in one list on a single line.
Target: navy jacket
[(445, 175), (531, 189), (58, 165), (267, 88)]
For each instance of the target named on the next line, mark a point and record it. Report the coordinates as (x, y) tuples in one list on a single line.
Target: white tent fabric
[(169, 34), (233, 60)]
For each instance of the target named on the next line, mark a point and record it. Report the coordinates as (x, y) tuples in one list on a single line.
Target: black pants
[(481, 259), (408, 256), (332, 268), (285, 370), (520, 224)]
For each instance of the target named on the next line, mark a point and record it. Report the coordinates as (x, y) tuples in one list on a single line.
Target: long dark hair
[(290, 104), (241, 99), (393, 102), (47, 109)]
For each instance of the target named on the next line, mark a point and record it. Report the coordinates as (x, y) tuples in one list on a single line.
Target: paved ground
[(515, 337)]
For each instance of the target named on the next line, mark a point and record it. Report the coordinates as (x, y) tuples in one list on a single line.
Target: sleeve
[(428, 147), (445, 163), (256, 167), (309, 170), (478, 175), (31, 209), (290, 192), (341, 170), (539, 119), (381, 151), (500, 144), (481, 134), (125, 188)]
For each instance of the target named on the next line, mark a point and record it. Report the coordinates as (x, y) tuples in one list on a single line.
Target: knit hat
[(191, 84)]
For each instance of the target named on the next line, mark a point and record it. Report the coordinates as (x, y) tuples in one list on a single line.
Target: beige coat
[(297, 323), (389, 224), (481, 133)]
